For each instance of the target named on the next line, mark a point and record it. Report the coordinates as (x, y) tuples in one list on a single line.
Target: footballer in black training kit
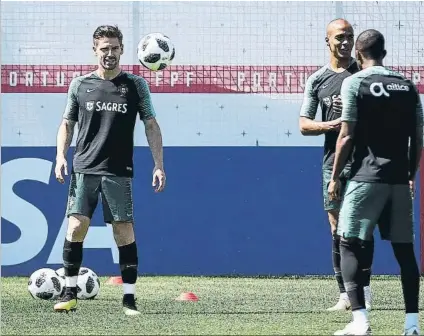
[(105, 104), (382, 119), (323, 90)]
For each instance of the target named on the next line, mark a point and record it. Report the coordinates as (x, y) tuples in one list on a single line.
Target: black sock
[(128, 262), (72, 257), (368, 259), (409, 273), (352, 257), (336, 263)]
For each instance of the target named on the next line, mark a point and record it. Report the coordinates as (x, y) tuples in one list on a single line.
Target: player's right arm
[(66, 131), (416, 144), (308, 111)]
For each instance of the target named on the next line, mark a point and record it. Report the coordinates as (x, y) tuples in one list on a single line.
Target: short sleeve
[(349, 94), (310, 100), (72, 106), (145, 107)]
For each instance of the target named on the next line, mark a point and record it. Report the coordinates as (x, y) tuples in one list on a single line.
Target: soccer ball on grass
[(45, 284), (88, 283)]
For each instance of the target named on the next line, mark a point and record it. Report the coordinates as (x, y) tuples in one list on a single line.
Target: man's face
[(340, 40), (108, 51)]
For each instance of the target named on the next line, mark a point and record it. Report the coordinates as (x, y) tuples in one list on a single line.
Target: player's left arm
[(349, 118), (153, 132), (416, 139), (154, 138)]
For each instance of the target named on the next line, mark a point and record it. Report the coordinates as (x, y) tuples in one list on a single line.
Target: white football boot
[(342, 304), (354, 328)]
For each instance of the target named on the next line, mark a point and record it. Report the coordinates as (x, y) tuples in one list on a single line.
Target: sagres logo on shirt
[(100, 106)]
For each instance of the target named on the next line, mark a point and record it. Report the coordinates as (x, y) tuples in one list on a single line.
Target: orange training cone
[(189, 296), (115, 280)]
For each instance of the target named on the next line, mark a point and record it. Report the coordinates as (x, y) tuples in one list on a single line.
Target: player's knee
[(333, 218), (77, 228), (123, 233), (353, 245)]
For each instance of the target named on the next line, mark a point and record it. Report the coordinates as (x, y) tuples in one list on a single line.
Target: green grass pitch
[(226, 306)]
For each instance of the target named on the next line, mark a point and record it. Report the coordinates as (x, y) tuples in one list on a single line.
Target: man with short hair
[(105, 104), (323, 88), (382, 120)]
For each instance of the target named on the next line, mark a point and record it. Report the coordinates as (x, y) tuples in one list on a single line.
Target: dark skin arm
[(310, 127), (343, 148)]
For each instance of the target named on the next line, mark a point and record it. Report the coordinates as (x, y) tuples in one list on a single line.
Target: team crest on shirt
[(123, 90), (89, 106), (327, 101)]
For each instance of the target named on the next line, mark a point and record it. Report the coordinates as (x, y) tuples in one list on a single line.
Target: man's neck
[(108, 74), (340, 64), (370, 63)]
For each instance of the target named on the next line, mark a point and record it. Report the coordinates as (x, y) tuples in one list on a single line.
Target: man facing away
[(382, 120)]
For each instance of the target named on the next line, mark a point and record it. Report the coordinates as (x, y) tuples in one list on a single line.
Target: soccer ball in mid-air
[(88, 283), (155, 51), (45, 284)]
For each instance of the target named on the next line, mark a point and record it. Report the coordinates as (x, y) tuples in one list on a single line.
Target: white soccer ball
[(88, 283), (61, 272), (155, 51), (45, 284)]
